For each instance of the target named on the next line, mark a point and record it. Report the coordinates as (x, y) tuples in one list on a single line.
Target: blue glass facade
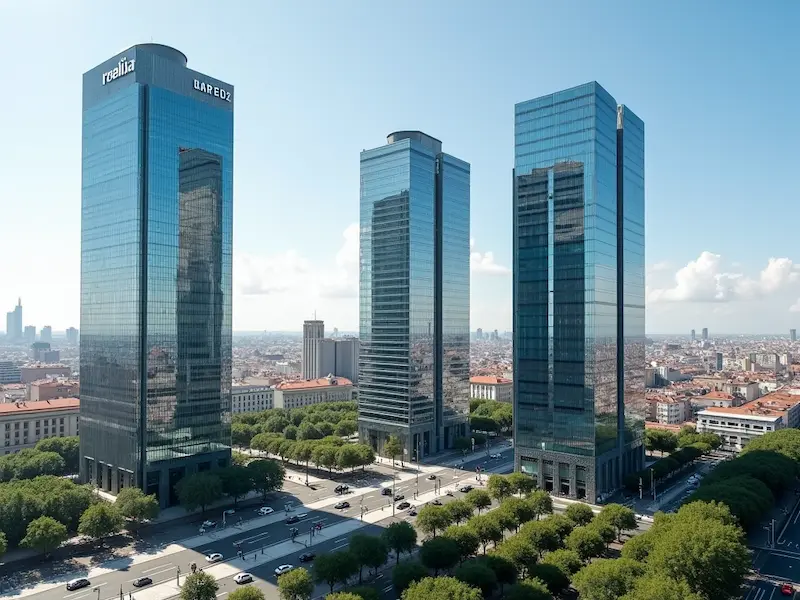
[(578, 291), (155, 271), (414, 294)]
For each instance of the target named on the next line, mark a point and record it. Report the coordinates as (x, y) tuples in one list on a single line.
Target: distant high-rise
[(718, 363), (579, 301), (414, 300), (72, 336), (694, 335), (705, 334), (156, 227), (313, 332), (47, 334), (30, 334), (479, 334), (793, 335), (14, 323), (337, 357)]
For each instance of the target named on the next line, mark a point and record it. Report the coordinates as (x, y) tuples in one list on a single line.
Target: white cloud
[(795, 307), (706, 280), (483, 262)]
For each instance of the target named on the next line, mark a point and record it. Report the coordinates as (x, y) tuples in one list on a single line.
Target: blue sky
[(317, 82)]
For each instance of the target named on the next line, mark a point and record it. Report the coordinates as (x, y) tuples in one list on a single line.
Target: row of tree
[(666, 442), (663, 468), (490, 416), (51, 456), (750, 483), (328, 453), (308, 423)]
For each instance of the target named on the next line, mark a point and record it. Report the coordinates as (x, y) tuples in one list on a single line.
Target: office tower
[(72, 336), (414, 302), (47, 334), (705, 334), (14, 323), (718, 362), (29, 334), (579, 310), (479, 334), (793, 335), (338, 357), (313, 332), (694, 336), (37, 350), (157, 203)]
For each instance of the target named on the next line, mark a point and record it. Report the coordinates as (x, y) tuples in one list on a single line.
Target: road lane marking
[(772, 593), (158, 567), (252, 537), (156, 573), (82, 591), (340, 541), (221, 594), (387, 589), (83, 596)]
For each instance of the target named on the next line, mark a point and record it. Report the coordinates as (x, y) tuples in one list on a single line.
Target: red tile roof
[(311, 384), (489, 380), (8, 408)]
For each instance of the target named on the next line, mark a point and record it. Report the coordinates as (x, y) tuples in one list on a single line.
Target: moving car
[(265, 510), (341, 505), (207, 524), (76, 584), (302, 515), (399, 497), (142, 581), (436, 502), (229, 512), (403, 505), (283, 569), (292, 519), (341, 489), (306, 557), (465, 489), (214, 557), (787, 589), (241, 578), (431, 477), (495, 456), (386, 492), (412, 512)]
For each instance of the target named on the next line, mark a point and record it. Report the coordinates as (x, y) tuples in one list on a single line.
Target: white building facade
[(25, 423)]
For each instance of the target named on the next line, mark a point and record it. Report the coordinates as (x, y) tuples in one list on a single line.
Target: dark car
[(292, 519), (412, 512), (431, 477), (142, 581), (399, 497), (465, 489), (341, 489), (386, 492), (341, 505), (436, 502), (403, 505), (306, 557)]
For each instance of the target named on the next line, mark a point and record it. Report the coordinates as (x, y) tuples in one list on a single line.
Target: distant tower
[(47, 334), (479, 334), (694, 335), (719, 361), (705, 334), (793, 335), (313, 332)]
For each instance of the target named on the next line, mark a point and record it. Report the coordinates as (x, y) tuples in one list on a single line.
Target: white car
[(283, 569), (265, 510), (302, 515), (241, 578), (214, 557), (229, 512), (495, 456), (208, 524)]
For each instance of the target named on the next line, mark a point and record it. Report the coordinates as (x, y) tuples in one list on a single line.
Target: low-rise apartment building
[(737, 425), (485, 387), (31, 373), (25, 423), (673, 411), (297, 394), (51, 389), (249, 397)]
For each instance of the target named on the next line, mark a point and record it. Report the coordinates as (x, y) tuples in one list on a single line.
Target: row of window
[(25, 423)]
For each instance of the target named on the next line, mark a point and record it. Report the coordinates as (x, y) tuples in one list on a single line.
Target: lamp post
[(653, 483), (97, 589), (393, 492)]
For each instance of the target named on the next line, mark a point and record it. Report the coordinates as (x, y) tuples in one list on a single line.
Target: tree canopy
[(199, 490), (199, 586), (296, 585), (441, 588)]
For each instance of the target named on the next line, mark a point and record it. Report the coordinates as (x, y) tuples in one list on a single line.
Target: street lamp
[(653, 483), (393, 492), (97, 589)]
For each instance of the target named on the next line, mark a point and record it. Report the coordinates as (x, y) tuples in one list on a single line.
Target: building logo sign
[(124, 67), (212, 90)]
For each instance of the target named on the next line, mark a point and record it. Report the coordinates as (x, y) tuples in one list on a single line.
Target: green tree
[(567, 560), (100, 520), (343, 596), (432, 518), (400, 537), (499, 487), (487, 528), (3, 543), (267, 475), (520, 552), (325, 456), (658, 440), (45, 534), (347, 457), (606, 579), (406, 573), (561, 525), (458, 511), (240, 459), (366, 455), (477, 574), (466, 538), (68, 448), (346, 428), (657, 586), (309, 431), (518, 509), (296, 585), (247, 592), (585, 542), (621, 518), (441, 587), (532, 589), (199, 490), (479, 499), (369, 551), (393, 448), (552, 576), (541, 503), (242, 434), (579, 513), (639, 547), (440, 553), (236, 482), (784, 441), (541, 535), (136, 507), (199, 586), (335, 567), (521, 483), (359, 593), (503, 568)]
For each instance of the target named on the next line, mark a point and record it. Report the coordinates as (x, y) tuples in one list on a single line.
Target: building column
[(573, 480)]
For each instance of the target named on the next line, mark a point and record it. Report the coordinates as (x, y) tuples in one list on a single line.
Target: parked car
[(341, 505), (292, 519), (306, 557), (403, 505), (436, 502), (207, 524), (787, 589), (142, 581), (76, 584), (465, 489), (495, 456), (283, 569), (214, 557), (229, 512), (431, 477), (399, 497), (386, 492), (265, 510), (412, 512), (341, 489), (241, 578)]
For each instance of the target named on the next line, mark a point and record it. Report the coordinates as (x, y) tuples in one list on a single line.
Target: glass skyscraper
[(579, 315), (414, 295), (157, 200)]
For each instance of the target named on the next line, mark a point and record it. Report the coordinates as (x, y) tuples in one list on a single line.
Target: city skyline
[(280, 276)]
